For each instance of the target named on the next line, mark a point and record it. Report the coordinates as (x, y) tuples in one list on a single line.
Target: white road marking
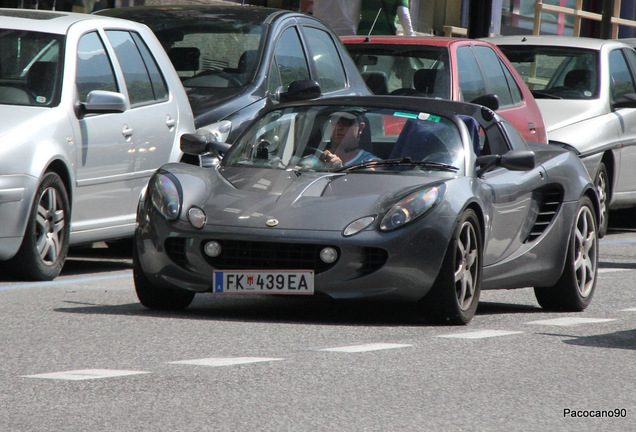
[(629, 310), (86, 374), (612, 270), (480, 334), (571, 321), (225, 361), (366, 347)]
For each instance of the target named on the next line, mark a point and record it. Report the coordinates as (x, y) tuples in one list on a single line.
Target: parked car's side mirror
[(516, 160), (301, 90), (489, 101), (102, 102), (626, 101)]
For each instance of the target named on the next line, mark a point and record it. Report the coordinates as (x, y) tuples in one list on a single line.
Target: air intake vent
[(549, 200)]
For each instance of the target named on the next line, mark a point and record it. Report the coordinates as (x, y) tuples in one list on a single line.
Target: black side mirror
[(301, 90), (195, 144), (520, 160), (489, 101)]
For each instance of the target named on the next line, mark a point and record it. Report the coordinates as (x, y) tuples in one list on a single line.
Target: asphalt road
[(81, 354)]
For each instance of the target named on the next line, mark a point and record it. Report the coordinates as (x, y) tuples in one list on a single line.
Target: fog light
[(212, 249), (197, 217), (329, 255)]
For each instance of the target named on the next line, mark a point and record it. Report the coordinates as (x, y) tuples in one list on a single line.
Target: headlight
[(411, 207), (219, 131), (165, 194)]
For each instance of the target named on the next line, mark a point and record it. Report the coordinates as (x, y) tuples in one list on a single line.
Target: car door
[(622, 82), (104, 160), (152, 118), (516, 199)]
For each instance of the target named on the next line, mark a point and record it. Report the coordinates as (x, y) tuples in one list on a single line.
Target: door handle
[(170, 122), (127, 132)]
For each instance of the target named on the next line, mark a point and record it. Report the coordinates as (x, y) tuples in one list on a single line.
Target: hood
[(558, 113), (210, 105), (17, 116), (250, 197)]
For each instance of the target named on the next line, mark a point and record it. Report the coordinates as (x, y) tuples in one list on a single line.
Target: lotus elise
[(380, 197)]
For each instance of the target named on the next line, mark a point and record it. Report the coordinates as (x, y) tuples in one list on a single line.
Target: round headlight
[(212, 249), (165, 194), (197, 217), (329, 255)]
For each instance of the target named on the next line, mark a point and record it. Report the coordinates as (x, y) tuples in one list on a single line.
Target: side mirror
[(626, 101), (489, 101), (301, 90), (521, 160), (195, 144), (103, 102)]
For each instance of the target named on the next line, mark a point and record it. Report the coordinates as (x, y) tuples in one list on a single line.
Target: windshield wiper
[(400, 162), (544, 95)]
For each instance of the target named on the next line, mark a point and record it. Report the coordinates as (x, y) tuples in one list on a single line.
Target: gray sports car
[(377, 197)]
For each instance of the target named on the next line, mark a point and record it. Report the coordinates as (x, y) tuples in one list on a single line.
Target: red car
[(448, 68)]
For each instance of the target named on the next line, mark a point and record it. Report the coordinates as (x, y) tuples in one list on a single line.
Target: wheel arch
[(61, 169), (610, 165)]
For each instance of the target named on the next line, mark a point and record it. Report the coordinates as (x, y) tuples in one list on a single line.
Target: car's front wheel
[(156, 297), (574, 290), (45, 244), (455, 293)]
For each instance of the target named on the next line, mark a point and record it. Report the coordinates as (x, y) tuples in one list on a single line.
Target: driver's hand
[(331, 159)]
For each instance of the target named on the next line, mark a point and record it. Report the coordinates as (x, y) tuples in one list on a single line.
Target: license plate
[(264, 282)]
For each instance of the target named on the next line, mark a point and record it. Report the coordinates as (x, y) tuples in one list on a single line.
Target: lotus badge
[(271, 222)]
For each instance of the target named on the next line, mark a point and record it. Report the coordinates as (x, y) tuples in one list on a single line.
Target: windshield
[(556, 72), (350, 138), (421, 70), (30, 65)]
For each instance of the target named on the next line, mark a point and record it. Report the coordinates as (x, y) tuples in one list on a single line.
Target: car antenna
[(373, 25)]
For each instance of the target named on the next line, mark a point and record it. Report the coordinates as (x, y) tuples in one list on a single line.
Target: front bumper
[(16, 196), (401, 265)]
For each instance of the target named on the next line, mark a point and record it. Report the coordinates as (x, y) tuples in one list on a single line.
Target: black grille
[(549, 203), (254, 255), (175, 249)]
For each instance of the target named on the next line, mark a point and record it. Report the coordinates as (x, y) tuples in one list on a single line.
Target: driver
[(345, 141)]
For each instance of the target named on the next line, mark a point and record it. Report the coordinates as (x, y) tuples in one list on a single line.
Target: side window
[(290, 58), (94, 70), (471, 83), (136, 71), (157, 80), (515, 91), (620, 76), (495, 77), (331, 75)]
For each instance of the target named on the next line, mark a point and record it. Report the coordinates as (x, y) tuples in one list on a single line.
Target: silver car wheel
[(585, 245), (603, 198), (467, 269), (50, 222)]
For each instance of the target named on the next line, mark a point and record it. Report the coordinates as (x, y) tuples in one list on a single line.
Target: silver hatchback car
[(90, 106), (586, 91)]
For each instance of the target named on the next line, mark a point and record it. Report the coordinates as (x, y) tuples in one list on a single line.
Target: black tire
[(455, 293), (602, 188), (45, 244), (575, 288), (156, 297)]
